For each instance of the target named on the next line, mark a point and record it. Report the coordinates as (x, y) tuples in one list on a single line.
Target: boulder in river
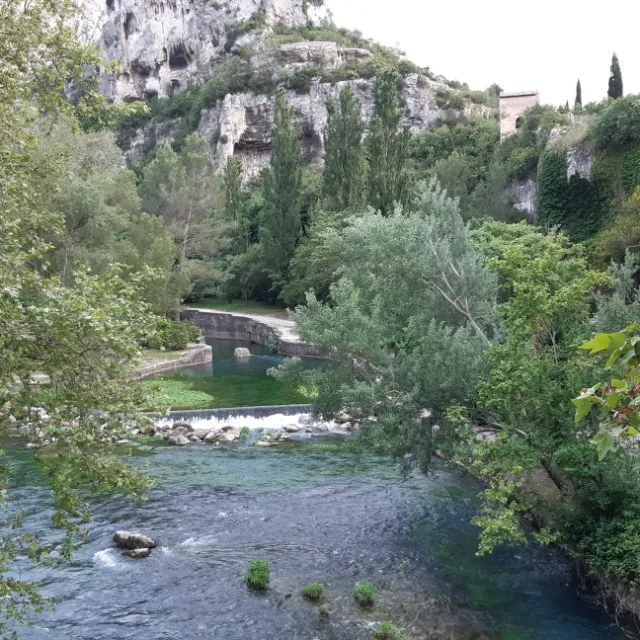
[(178, 439), (137, 553), (241, 353), (130, 540), (182, 426)]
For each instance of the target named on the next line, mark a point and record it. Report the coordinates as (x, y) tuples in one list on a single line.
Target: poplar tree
[(344, 168), (615, 79), (578, 102), (280, 216), (232, 180), (389, 180)]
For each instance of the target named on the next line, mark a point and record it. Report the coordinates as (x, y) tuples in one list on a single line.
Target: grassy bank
[(215, 392)]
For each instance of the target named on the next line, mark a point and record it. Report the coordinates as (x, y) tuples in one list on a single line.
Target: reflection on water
[(326, 516)]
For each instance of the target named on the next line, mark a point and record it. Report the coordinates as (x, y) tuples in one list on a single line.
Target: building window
[(519, 122)]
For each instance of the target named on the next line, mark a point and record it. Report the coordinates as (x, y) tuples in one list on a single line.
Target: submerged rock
[(241, 352), (133, 541), (291, 428), (263, 443), (137, 553)]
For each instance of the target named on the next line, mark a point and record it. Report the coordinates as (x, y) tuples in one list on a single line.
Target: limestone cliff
[(160, 48), (164, 46)]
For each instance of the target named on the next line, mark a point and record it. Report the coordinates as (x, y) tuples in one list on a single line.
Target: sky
[(542, 44)]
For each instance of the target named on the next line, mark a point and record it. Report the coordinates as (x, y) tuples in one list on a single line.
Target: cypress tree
[(280, 216), (578, 102), (344, 166), (389, 179), (615, 79)]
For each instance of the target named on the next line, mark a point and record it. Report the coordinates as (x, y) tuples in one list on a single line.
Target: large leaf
[(584, 405), (599, 342), (604, 443)]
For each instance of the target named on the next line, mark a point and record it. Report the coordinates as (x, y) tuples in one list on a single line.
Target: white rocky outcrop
[(241, 123), (162, 46)]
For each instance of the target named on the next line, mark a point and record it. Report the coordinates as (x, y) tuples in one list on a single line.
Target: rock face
[(241, 123), (131, 541), (163, 46), (580, 159), (524, 196)]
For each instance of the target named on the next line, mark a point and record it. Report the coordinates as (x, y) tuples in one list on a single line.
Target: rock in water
[(133, 541), (137, 553), (178, 439), (241, 352), (183, 426)]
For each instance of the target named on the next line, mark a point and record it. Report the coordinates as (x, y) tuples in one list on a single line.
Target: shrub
[(619, 124), (301, 79), (245, 433), (323, 611), (449, 100), (256, 21), (388, 631), (313, 591), (172, 336), (365, 593), (258, 574)]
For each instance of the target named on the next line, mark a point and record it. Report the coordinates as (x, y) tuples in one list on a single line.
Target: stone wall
[(196, 354), (228, 326), (512, 107)]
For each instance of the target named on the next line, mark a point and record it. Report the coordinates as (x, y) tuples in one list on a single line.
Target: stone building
[(513, 104)]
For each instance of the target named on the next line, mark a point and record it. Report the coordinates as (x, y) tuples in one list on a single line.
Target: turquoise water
[(327, 516)]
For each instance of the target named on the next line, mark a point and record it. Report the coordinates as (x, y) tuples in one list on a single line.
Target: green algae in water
[(189, 391), (488, 596)]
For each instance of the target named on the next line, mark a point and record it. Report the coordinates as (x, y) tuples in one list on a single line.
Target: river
[(316, 515)]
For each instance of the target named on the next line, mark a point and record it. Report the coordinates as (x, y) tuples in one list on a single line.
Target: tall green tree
[(280, 217), (411, 315), (182, 188), (344, 165), (578, 101), (233, 210), (389, 179), (615, 79)]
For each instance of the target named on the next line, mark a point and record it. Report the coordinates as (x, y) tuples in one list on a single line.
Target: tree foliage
[(389, 178), (411, 316), (280, 217), (182, 189), (578, 101), (84, 333), (615, 79), (344, 163)]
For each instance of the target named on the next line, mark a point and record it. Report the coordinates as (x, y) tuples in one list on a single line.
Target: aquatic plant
[(365, 593), (258, 574), (245, 433), (388, 631), (313, 591)]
